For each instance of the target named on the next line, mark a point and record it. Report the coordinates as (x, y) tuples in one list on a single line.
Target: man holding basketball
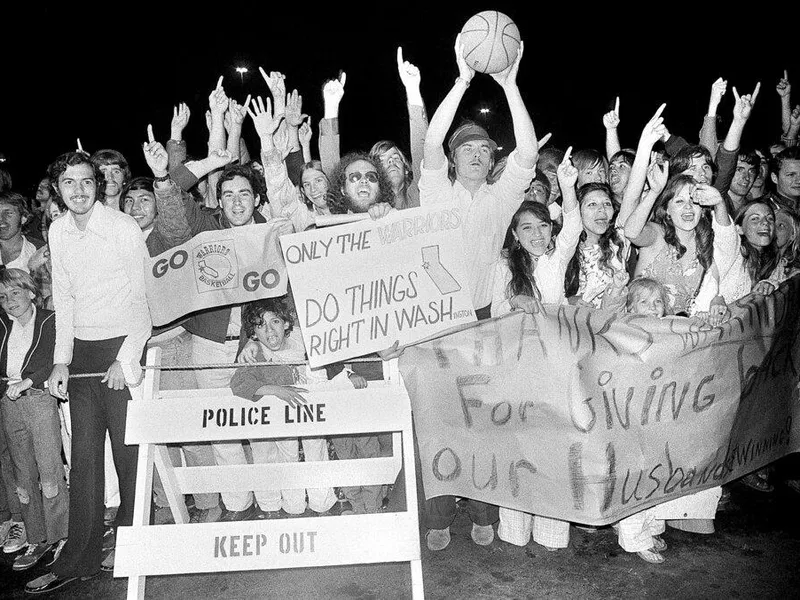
[(487, 211)]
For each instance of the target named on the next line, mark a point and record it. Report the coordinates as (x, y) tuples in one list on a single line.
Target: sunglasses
[(357, 176)]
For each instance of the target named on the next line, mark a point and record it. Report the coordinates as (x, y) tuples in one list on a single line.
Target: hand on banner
[(288, 393), (393, 351), (379, 210), (249, 353), (765, 288), (528, 304), (358, 381)]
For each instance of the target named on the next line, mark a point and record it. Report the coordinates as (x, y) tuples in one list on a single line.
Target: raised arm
[(784, 89), (294, 117), (527, 151), (708, 134), (653, 131), (176, 147), (727, 158), (434, 156), (567, 178), (233, 126), (305, 133), (417, 117), (218, 105), (329, 151), (611, 123)]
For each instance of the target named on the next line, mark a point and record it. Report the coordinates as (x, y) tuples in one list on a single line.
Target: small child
[(647, 297), (269, 324), (30, 417)]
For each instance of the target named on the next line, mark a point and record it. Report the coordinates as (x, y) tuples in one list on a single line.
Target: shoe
[(57, 548), (755, 482), (482, 534), (47, 583), (659, 545), (108, 562), (248, 514), (162, 515), (206, 515), (5, 526), (437, 539), (16, 539), (109, 539), (652, 556), (32, 555)]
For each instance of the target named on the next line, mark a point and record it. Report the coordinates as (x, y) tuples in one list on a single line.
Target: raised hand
[(180, 119), (155, 155), (654, 129), (264, 122), (305, 132), (409, 73), (657, 174), (508, 76), (794, 119), (718, 89), (218, 100), (744, 104), (236, 112), (566, 172), (706, 195), (611, 118), (277, 87), (217, 159), (294, 110), (784, 88), (333, 89), (465, 72)]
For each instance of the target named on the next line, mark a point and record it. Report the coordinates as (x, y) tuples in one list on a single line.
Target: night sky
[(102, 76)]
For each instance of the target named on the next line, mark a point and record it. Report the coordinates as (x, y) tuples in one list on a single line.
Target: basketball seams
[(489, 57)]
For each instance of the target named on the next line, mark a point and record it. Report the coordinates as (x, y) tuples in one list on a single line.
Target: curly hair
[(608, 240), (253, 314), (73, 159), (759, 262), (518, 259), (338, 202), (704, 234)]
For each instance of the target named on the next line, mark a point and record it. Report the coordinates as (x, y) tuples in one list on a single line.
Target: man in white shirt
[(99, 259), (15, 249)]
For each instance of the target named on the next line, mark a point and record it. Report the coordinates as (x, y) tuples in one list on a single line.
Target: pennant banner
[(589, 416), (216, 268), (360, 287)]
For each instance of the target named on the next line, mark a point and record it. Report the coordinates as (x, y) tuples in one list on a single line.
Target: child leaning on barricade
[(268, 325), (31, 422)]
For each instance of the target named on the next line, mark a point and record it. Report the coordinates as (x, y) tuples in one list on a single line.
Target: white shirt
[(99, 285), (20, 340), (21, 262), (486, 217)]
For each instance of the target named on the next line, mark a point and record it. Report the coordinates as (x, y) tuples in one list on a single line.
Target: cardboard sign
[(360, 287), (590, 416), (216, 268)]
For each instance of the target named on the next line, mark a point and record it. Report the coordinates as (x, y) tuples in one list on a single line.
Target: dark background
[(102, 73)]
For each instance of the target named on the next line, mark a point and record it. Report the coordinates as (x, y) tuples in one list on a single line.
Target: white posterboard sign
[(360, 287)]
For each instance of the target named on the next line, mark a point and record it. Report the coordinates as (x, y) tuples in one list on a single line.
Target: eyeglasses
[(357, 176)]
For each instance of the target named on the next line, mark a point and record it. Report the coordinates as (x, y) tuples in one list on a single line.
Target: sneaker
[(248, 514), (47, 583), (32, 555), (57, 548), (206, 515), (482, 534), (4, 529), (108, 562), (437, 539), (652, 556), (16, 539), (659, 545)]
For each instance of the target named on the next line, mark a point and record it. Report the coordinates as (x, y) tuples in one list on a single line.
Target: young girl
[(270, 322), (787, 239), (529, 273)]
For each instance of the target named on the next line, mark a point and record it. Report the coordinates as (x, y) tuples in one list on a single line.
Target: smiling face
[(141, 205), (16, 301), (699, 169), (77, 187), (238, 201), (787, 180), (597, 211), (395, 167), (10, 221), (361, 185), (743, 178), (533, 234), (785, 231), (648, 302), (473, 160), (758, 225), (315, 187), (618, 174), (115, 179), (682, 210), (272, 331)]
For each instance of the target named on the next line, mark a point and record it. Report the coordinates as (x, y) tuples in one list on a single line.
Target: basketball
[(491, 41)]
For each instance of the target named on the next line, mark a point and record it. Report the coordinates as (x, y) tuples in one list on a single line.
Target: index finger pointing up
[(399, 55), (150, 137), (567, 155), (616, 106), (660, 110), (755, 93)]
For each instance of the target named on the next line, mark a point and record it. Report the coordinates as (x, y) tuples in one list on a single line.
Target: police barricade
[(164, 417)]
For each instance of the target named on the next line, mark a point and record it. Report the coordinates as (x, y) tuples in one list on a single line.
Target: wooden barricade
[(163, 417)]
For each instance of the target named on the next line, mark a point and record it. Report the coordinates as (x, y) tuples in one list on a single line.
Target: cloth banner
[(590, 416), (362, 286), (217, 268)]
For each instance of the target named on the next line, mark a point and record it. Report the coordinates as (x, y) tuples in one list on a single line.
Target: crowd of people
[(666, 228)]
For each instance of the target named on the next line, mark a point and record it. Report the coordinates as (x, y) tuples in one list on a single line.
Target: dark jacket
[(38, 361)]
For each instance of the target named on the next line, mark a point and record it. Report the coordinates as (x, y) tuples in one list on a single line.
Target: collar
[(98, 222), (16, 322)]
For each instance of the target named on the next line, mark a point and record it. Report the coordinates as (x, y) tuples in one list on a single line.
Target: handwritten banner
[(360, 287), (217, 268), (590, 416)]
